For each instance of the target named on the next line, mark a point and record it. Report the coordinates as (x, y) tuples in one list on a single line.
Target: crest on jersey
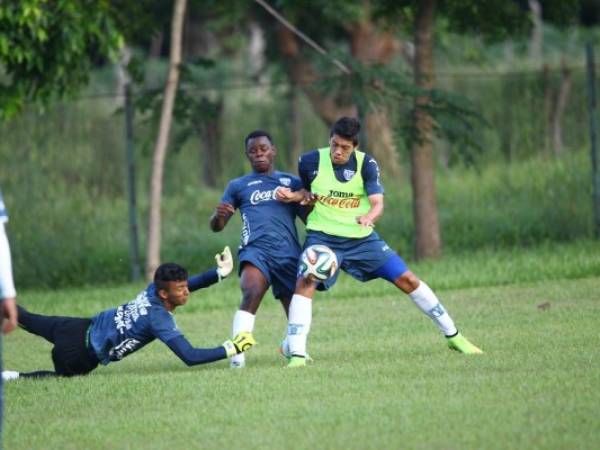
[(285, 181), (348, 174)]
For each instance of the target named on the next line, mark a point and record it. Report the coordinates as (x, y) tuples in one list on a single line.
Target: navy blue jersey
[(308, 167), (266, 222), (3, 211), (118, 332)]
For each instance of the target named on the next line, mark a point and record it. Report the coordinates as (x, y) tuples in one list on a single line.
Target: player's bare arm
[(221, 216), (302, 196), (374, 214)]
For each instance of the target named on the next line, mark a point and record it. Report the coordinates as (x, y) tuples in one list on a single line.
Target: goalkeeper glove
[(241, 342), (224, 263)]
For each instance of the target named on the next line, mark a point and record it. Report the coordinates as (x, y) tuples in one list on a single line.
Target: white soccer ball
[(318, 262)]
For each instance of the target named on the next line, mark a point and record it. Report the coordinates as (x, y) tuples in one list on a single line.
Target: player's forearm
[(375, 213), (217, 223), (192, 356), (203, 280)]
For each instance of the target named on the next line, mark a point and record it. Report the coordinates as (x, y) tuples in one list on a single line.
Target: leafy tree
[(47, 48)]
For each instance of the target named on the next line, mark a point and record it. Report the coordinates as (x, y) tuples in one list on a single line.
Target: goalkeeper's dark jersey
[(118, 332)]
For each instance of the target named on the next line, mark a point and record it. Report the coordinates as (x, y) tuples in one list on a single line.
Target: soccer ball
[(318, 262)]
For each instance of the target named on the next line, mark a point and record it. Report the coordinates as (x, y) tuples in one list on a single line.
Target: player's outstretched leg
[(426, 300), (10, 375), (38, 324)]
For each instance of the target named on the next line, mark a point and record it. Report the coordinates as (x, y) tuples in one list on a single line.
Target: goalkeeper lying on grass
[(81, 344)]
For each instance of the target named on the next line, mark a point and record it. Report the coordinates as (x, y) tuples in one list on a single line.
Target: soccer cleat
[(461, 344), (9, 375), (285, 352), (297, 361)]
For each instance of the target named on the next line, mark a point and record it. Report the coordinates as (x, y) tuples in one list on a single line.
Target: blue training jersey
[(266, 222), (118, 332), (3, 211)]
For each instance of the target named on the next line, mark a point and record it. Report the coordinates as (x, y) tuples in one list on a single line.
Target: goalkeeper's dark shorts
[(71, 354)]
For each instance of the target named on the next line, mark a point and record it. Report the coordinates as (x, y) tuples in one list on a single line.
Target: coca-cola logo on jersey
[(261, 196)]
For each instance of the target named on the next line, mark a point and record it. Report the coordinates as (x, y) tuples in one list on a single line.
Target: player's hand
[(242, 342), (365, 221), (285, 194), (9, 314), (224, 211), (224, 263), (308, 198)]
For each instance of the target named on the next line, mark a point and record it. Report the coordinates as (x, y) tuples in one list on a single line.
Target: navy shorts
[(362, 258), (280, 271)]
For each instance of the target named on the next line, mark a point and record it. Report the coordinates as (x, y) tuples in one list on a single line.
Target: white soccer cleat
[(9, 375)]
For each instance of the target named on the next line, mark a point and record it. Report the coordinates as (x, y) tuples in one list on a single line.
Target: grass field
[(382, 376)]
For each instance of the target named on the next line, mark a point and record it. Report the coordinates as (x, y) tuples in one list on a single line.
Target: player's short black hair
[(169, 272), (255, 134), (347, 128)]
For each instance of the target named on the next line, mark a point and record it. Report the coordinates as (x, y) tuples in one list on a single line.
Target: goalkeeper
[(80, 344)]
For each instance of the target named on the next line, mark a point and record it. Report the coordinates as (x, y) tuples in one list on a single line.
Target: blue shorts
[(363, 258), (279, 271)]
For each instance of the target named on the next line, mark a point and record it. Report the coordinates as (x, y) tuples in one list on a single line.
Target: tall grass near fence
[(68, 236)]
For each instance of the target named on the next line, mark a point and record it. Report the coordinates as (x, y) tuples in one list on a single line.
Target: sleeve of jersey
[(308, 165), (370, 174), (203, 280), (163, 325), (230, 194), (193, 356)]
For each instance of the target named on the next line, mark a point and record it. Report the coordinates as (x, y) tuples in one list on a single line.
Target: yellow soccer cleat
[(297, 361), (461, 344)]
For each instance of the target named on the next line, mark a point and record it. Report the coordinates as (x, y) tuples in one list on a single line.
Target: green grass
[(382, 376)]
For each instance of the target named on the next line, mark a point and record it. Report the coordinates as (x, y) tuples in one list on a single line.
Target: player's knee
[(305, 287), (407, 282)]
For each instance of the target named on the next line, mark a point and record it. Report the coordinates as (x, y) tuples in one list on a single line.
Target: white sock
[(428, 302), (242, 321), (9, 375), (300, 318)]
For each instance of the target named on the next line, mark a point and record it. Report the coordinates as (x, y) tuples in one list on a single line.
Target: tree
[(370, 41), (47, 49), (160, 149), (428, 242)]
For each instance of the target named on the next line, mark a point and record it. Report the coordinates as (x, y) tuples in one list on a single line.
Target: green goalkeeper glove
[(241, 342)]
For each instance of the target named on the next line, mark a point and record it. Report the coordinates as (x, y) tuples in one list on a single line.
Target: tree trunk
[(160, 149), (210, 132), (370, 45), (428, 241), (561, 104), (536, 40), (549, 102)]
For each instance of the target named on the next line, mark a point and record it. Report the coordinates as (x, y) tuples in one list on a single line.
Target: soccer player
[(269, 248), (80, 344), (8, 295), (344, 186)]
